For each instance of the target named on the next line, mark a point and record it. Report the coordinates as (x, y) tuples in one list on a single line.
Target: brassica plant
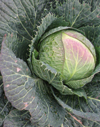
[(50, 63)]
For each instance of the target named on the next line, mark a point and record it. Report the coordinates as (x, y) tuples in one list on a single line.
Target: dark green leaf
[(92, 33), (21, 17), (20, 48), (18, 119), (97, 47), (92, 3), (27, 93), (96, 78), (5, 108), (86, 113), (1, 86), (72, 120), (46, 22), (78, 14)]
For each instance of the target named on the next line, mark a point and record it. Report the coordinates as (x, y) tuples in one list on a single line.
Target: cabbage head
[(70, 53)]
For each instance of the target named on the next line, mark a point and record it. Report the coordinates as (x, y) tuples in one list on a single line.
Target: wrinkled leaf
[(18, 119), (78, 14), (5, 108), (92, 33), (46, 22), (27, 93), (84, 112), (92, 3), (74, 121), (21, 17), (1, 87)]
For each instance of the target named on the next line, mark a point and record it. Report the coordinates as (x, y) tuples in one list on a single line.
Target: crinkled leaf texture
[(82, 112), (77, 14), (5, 108), (27, 93), (23, 16), (18, 118)]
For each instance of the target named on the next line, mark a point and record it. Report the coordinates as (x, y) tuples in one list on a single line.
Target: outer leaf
[(74, 121), (97, 47), (25, 92), (22, 13), (18, 119), (20, 48), (78, 14), (1, 87), (93, 3), (46, 22), (91, 33), (85, 113), (21, 17), (5, 108)]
